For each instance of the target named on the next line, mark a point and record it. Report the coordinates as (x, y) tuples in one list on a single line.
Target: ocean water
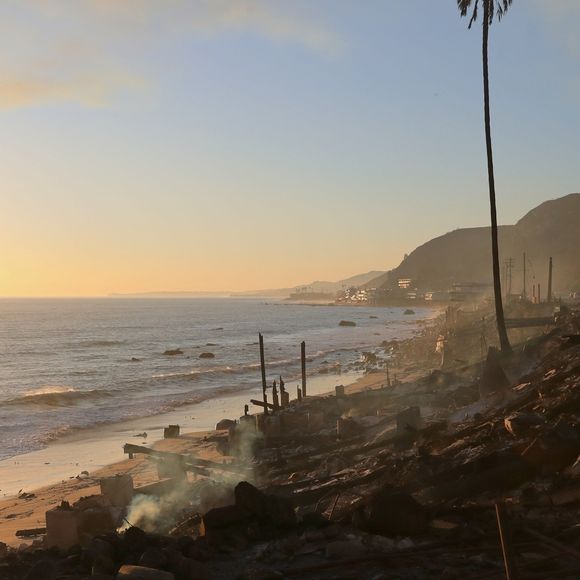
[(68, 364)]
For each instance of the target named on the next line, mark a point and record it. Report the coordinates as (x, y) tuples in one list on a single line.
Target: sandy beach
[(34, 482), (99, 452), (331, 460)]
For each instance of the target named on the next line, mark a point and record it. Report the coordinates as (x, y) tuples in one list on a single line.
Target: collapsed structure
[(469, 471)]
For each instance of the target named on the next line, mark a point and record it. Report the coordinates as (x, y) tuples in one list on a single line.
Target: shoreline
[(53, 474), (74, 380), (28, 512), (416, 482), (103, 440), (98, 446)]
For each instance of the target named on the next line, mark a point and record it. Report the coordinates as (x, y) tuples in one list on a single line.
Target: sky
[(197, 145)]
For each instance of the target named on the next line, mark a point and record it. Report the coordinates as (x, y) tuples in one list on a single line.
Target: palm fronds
[(496, 8)]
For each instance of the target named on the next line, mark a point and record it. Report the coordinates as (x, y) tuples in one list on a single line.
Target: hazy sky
[(244, 144)]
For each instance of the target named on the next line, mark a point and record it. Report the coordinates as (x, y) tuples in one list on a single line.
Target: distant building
[(360, 296), (436, 296), (405, 283)]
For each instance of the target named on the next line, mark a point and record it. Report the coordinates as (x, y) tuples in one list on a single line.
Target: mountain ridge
[(464, 255)]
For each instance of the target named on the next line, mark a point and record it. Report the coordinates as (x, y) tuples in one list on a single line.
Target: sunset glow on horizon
[(220, 145)]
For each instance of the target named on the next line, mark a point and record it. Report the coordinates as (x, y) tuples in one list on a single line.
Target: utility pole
[(504, 276), (509, 263), (549, 299), (263, 367), (524, 288), (303, 361)]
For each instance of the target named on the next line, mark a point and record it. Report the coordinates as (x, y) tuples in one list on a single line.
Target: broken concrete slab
[(62, 529), (171, 431)]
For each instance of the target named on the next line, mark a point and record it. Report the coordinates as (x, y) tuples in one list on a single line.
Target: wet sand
[(51, 473), (103, 456)]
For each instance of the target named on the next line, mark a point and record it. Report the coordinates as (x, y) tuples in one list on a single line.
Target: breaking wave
[(57, 396), (242, 369)]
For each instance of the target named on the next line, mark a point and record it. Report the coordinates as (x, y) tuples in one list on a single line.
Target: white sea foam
[(73, 364)]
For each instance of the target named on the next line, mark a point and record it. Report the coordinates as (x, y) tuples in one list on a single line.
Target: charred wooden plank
[(190, 463), (31, 532), (262, 404)]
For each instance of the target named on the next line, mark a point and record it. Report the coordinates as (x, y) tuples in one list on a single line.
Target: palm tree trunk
[(501, 329)]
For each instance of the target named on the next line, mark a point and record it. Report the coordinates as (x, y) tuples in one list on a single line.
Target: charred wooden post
[(275, 400), (549, 298), (303, 360), (283, 393), (506, 542), (263, 368), (524, 277)]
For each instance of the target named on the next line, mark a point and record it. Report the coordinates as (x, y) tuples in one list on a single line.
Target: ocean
[(71, 364)]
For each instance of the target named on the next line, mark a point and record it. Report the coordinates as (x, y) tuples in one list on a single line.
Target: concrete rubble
[(409, 481)]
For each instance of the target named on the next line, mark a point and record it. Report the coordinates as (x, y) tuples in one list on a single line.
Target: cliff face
[(464, 255)]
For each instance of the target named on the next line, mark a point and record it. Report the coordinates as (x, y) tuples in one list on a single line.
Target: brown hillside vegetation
[(464, 255)]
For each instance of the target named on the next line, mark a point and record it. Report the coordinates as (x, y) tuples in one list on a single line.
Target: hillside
[(318, 285), (464, 255)]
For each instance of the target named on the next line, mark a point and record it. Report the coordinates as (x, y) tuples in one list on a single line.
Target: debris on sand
[(420, 477)]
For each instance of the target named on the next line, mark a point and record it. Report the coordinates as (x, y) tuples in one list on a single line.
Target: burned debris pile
[(465, 471)]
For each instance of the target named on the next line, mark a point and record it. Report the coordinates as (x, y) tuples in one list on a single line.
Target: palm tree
[(490, 9)]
